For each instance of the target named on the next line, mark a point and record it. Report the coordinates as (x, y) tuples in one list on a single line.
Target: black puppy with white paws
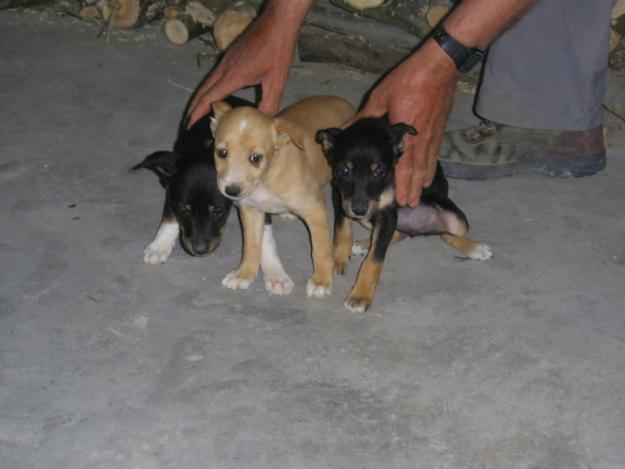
[(363, 158), (194, 208)]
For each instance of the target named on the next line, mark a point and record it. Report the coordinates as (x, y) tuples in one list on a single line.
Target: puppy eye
[(344, 171), (255, 158), (184, 210), (222, 153), (379, 172), (219, 212)]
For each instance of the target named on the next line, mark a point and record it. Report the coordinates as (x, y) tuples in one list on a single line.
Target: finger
[(416, 180), (272, 92), (414, 161), (220, 90), (206, 85), (402, 183), (416, 186), (433, 152)]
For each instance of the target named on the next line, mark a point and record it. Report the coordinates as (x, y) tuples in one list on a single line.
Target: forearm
[(477, 23), (474, 23)]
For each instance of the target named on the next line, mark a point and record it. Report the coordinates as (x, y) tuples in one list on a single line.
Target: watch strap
[(464, 57)]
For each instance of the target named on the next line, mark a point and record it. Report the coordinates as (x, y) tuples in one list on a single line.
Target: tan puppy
[(274, 165)]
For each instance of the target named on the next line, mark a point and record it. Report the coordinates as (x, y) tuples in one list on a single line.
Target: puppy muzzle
[(357, 209)]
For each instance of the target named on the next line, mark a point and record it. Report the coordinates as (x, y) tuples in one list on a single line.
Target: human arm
[(420, 90), (263, 55)]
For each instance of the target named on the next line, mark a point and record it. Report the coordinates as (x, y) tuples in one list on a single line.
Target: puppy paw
[(318, 289), (235, 281), (282, 285), (340, 267), (288, 216), (156, 253), (359, 249), (357, 304), (481, 252)]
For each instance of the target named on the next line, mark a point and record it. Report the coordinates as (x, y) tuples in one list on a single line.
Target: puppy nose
[(233, 191), (200, 248), (359, 209)]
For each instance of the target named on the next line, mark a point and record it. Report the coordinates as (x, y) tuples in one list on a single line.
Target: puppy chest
[(263, 200)]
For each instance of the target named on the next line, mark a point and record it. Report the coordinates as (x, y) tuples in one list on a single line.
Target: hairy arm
[(420, 90), (262, 55)]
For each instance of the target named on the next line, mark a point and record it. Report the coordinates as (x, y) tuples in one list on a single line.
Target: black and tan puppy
[(194, 208), (363, 158)]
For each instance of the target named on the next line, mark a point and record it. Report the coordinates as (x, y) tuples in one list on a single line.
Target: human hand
[(263, 55), (418, 92)]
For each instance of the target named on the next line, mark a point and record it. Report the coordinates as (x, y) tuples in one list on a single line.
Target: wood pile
[(371, 35)]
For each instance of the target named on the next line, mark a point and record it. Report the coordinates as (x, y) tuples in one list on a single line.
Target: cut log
[(231, 23), (171, 11), (618, 10), (219, 6), (128, 13), (407, 14), (615, 39), (200, 13), (363, 4), (89, 12), (182, 29), (436, 13), (366, 44), (320, 45), (4, 4)]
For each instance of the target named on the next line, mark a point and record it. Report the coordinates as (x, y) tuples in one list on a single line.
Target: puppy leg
[(361, 296), (342, 234), (241, 278), (277, 282), (158, 251), (320, 284), (361, 248), (456, 236)]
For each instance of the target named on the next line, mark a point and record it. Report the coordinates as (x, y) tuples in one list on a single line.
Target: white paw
[(156, 253), (318, 290), (357, 305), (280, 286), (482, 252), (234, 282), (359, 250), (288, 216)]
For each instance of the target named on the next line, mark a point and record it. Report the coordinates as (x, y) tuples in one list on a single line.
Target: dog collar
[(465, 58)]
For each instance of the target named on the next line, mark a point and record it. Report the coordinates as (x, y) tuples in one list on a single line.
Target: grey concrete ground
[(106, 362)]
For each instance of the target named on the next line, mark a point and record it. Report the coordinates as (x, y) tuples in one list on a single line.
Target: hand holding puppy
[(263, 55), (418, 92)]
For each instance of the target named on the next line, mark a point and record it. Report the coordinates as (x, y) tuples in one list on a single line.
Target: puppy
[(363, 157), (274, 165), (194, 209)]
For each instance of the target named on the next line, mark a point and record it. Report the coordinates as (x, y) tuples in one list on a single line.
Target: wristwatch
[(465, 58)]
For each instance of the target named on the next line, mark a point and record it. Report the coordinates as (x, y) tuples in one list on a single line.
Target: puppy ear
[(397, 132), (161, 163), (326, 138), (219, 108), (286, 131)]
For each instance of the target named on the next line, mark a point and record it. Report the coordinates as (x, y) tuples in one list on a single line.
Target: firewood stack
[(371, 35)]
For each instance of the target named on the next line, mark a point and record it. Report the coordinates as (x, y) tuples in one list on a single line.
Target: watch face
[(471, 60)]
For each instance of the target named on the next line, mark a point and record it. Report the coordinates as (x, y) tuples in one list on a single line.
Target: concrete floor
[(106, 362)]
